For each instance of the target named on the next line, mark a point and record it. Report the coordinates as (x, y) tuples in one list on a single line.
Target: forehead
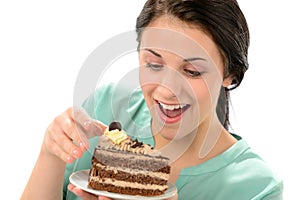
[(172, 35)]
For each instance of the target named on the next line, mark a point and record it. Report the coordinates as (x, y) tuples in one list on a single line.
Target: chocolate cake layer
[(101, 172), (165, 169), (125, 190), (131, 160)]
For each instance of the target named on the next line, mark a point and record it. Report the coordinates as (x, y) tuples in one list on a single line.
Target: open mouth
[(172, 113)]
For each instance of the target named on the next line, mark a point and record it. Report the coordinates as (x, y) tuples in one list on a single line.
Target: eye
[(154, 67), (192, 73)]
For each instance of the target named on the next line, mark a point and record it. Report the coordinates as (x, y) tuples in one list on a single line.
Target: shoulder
[(252, 175), (249, 176), (239, 173)]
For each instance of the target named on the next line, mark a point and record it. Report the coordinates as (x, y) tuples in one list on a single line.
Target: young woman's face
[(181, 74)]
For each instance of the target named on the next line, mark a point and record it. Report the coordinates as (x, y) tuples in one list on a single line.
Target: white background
[(44, 43)]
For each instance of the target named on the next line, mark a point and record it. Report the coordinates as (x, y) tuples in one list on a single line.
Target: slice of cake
[(126, 166)]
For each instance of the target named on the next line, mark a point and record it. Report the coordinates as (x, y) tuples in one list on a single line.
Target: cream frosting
[(119, 140), (116, 136)]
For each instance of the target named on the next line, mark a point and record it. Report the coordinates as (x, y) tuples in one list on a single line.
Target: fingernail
[(69, 159), (75, 152), (82, 146)]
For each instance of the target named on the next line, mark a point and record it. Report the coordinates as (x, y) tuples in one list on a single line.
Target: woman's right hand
[(67, 136)]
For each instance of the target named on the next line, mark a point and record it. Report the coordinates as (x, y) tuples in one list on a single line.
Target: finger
[(100, 125), (103, 198), (56, 150), (94, 128), (86, 124), (71, 186), (80, 116), (81, 138), (68, 127), (64, 140), (74, 128), (75, 134), (82, 194), (67, 145)]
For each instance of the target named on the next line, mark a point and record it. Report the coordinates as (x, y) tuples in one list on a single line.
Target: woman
[(191, 54)]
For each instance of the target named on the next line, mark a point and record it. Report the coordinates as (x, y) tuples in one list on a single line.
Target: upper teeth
[(171, 107)]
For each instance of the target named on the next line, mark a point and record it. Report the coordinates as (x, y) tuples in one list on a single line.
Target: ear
[(227, 81)]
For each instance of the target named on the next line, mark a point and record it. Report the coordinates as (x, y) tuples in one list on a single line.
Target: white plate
[(80, 180)]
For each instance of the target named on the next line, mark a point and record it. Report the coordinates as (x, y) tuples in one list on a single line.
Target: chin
[(173, 132), (169, 134)]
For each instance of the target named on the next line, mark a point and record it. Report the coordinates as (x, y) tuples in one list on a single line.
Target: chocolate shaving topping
[(114, 126), (136, 144)]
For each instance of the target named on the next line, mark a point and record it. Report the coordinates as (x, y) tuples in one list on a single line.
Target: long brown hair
[(223, 20)]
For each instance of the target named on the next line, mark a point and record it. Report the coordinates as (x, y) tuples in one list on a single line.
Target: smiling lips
[(171, 113)]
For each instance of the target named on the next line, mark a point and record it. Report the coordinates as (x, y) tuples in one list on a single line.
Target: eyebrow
[(185, 59), (193, 59), (154, 53)]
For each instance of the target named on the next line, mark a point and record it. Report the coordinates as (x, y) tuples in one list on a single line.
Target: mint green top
[(236, 174)]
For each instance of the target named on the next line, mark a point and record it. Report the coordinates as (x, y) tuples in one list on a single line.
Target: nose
[(171, 84)]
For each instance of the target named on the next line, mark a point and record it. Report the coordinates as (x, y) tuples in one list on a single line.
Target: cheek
[(203, 103), (147, 92), (205, 95)]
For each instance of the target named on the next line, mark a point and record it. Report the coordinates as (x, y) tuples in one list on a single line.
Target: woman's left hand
[(85, 195)]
